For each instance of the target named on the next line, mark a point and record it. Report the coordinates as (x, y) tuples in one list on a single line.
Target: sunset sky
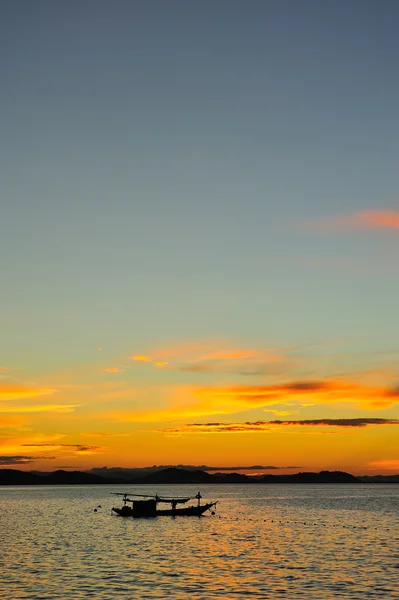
[(199, 234)]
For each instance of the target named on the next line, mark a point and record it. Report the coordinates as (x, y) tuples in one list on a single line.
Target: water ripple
[(265, 542)]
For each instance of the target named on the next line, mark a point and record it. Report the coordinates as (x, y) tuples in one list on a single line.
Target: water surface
[(265, 541)]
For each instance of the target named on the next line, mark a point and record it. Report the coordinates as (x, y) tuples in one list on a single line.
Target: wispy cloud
[(363, 220), (105, 434), (21, 460), (79, 448), (327, 391), (357, 422), (262, 426), (36, 408), (214, 356), (249, 368), (113, 370), (281, 413), (16, 391), (188, 402), (30, 446)]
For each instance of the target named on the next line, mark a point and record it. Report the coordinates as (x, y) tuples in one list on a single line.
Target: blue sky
[(159, 154), (183, 170)]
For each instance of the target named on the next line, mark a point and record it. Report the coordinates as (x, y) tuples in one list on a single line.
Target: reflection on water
[(265, 541)]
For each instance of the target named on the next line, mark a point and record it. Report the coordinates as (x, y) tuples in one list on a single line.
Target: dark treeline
[(173, 475)]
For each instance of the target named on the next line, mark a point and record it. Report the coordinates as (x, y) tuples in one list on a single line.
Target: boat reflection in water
[(149, 507)]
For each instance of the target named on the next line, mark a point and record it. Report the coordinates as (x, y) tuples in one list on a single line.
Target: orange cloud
[(186, 402), (30, 437), (35, 447), (9, 461), (316, 392), (75, 448), (236, 355), (215, 351), (4, 369), (214, 357), (113, 370), (281, 413), (262, 426), (58, 408), (371, 219), (13, 391)]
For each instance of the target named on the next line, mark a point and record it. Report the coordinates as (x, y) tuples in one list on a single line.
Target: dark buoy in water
[(95, 510)]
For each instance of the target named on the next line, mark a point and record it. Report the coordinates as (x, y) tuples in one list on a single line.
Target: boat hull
[(188, 511)]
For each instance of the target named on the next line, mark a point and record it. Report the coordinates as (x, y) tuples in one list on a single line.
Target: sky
[(199, 234)]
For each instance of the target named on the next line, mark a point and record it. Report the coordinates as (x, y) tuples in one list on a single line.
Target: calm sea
[(281, 541)]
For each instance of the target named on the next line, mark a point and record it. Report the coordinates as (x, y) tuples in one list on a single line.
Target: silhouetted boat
[(149, 507)]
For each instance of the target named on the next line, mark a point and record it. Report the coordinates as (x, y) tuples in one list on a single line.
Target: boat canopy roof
[(177, 500), (155, 497)]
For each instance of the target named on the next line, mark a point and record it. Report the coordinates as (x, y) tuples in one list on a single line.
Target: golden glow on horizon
[(385, 465), (226, 387)]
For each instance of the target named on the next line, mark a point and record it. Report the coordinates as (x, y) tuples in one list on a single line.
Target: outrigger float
[(149, 507)]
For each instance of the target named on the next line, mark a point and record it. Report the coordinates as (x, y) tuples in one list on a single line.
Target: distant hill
[(379, 478), (76, 478), (136, 473), (322, 477), (174, 475), (15, 477)]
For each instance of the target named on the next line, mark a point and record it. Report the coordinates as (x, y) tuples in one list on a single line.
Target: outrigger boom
[(149, 508)]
